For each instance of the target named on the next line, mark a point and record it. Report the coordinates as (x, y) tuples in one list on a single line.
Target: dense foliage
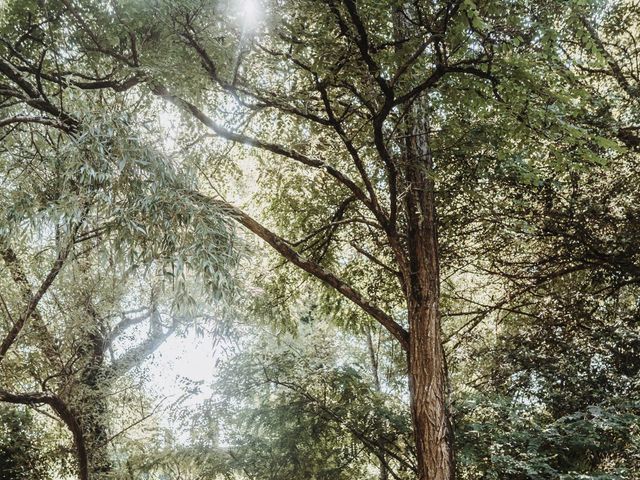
[(410, 229)]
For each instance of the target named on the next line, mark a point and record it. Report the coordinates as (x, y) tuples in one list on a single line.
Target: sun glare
[(250, 13)]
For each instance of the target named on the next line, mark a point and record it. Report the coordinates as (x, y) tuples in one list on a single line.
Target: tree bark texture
[(425, 357)]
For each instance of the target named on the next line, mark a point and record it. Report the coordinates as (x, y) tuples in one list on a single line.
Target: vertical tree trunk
[(93, 402), (426, 361), (95, 417), (373, 357), (427, 384)]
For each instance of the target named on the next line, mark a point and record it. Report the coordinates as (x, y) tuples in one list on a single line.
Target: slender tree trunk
[(95, 420), (426, 361), (373, 357)]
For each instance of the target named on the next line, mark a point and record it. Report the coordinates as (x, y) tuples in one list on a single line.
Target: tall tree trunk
[(426, 364), (426, 361)]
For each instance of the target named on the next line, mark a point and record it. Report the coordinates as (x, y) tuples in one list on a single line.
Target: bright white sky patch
[(188, 358), (250, 13)]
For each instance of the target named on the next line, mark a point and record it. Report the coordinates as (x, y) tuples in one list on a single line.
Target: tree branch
[(616, 70), (37, 296), (223, 132), (64, 413), (284, 249), (10, 258)]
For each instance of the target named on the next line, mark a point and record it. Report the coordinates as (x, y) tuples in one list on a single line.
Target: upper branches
[(335, 78)]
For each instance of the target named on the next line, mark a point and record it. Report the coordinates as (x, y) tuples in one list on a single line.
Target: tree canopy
[(410, 230)]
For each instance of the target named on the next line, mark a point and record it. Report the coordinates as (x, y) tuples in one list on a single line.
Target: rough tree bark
[(426, 363), (425, 357)]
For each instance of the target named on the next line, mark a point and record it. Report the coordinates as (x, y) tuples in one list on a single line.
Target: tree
[(73, 253), (371, 104), (553, 345)]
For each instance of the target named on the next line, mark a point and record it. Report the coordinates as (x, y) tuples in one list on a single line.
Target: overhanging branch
[(283, 248)]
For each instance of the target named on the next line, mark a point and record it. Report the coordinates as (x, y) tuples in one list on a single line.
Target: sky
[(189, 357)]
